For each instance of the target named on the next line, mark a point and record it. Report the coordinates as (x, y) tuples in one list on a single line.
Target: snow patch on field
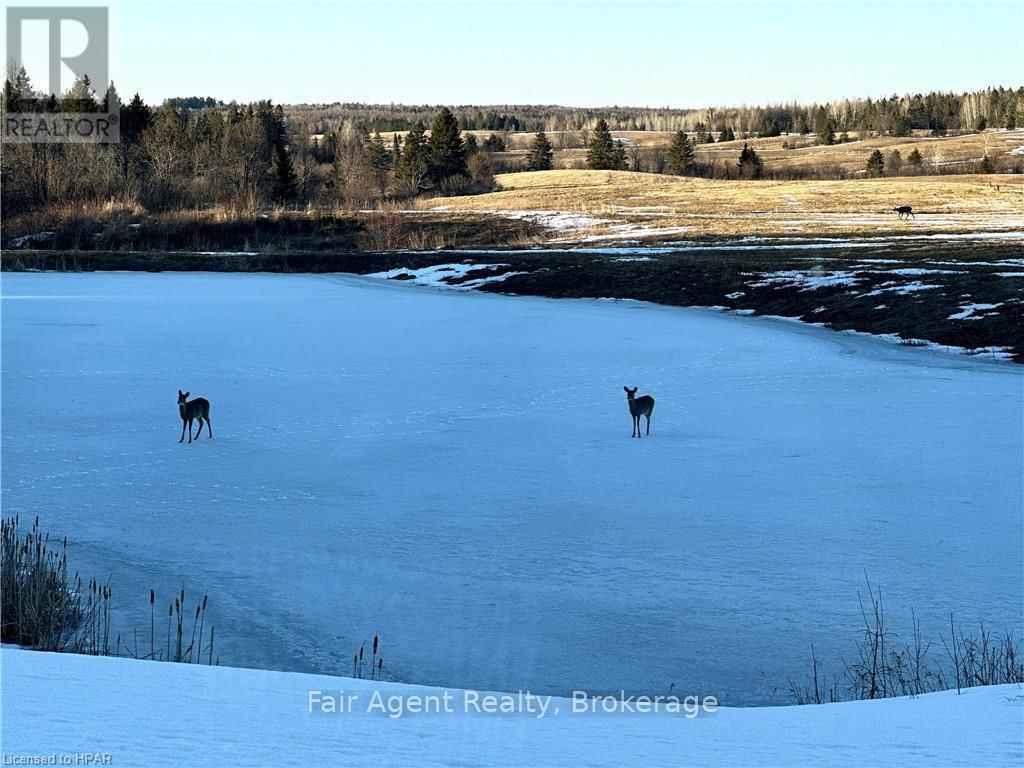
[(969, 311), (440, 275), (901, 288), (918, 272), (146, 713), (805, 281)]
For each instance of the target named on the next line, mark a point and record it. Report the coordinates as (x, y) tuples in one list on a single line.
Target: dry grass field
[(577, 205), (798, 153)]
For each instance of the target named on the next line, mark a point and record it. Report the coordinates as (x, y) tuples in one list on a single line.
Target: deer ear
[(626, 388), (187, 394)]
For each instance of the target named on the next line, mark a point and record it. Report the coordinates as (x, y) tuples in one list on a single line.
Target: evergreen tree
[(619, 155), (726, 134), (602, 152), (900, 125), (986, 165), (396, 150), (446, 150), (824, 127), (681, 157), (876, 164), (750, 164), (472, 147), (541, 154), (285, 180), (494, 143), (135, 118), (18, 92), (915, 159), (413, 166), (378, 153)]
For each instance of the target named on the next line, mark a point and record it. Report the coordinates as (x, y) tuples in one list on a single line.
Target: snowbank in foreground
[(147, 713)]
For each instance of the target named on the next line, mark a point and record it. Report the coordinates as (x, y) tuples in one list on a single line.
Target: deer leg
[(648, 424), (198, 433), (190, 430), (208, 427), (183, 423)]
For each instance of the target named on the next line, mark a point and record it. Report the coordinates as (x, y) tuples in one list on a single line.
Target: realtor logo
[(64, 54), (91, 61)]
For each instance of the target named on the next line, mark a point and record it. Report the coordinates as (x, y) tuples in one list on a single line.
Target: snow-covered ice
[(454, 471), (143, 713)]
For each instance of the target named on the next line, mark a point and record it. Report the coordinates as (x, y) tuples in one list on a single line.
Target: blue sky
[(679, 54)]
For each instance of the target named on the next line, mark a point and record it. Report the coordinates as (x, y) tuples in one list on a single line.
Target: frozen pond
[(454, 471)]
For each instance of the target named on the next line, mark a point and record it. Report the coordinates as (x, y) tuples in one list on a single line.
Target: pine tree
[(378, 153), (285, 180), (18, 92), (825, 127), (986, 165), (681, 157), (541, 154), (396, 150), (619, 155), (900, 125), (413, 165), (446, 150), (876, 164), (750, 163), (602, 152), (494, 143), (135, 118), (915, 159)]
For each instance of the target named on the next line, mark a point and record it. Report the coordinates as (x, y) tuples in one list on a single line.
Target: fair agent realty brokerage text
[(400, 704)]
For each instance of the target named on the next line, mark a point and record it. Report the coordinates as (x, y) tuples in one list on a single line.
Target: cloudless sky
[(679, 54)]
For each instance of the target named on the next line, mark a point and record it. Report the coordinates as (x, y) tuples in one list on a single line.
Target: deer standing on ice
[(639, 406), (191, 410), (904, 210)]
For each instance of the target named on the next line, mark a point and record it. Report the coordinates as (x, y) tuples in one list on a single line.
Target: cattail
[(355, 664), (375, 640), (152, 597)]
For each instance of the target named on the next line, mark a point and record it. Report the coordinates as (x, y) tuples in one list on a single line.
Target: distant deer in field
[(639, 406), (904, 211), (191, 410)]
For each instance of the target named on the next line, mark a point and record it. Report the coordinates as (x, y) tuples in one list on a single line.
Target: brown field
[(621, 204), (801, 152)]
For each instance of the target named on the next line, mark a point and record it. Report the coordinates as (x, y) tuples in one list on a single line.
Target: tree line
[(934, 111), (242, 156)]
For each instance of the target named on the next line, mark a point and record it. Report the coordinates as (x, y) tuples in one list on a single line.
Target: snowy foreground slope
[(454, 472), (152, 714)]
